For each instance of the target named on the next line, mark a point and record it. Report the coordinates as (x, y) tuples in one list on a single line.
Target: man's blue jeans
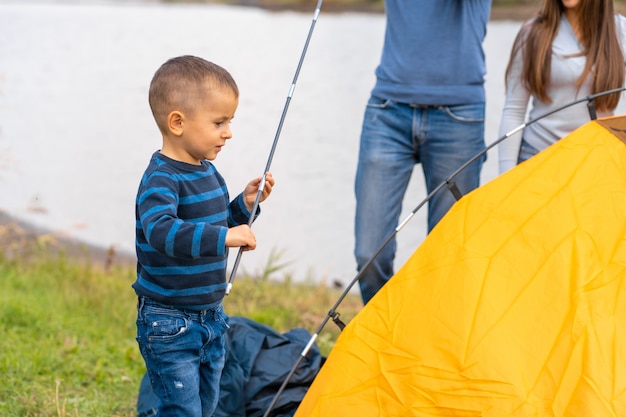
[(395, 137), (184, 351)]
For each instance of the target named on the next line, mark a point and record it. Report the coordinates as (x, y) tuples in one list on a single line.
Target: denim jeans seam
[(458, 118)]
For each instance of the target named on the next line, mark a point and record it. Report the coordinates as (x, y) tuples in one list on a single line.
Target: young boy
[(184, 227)]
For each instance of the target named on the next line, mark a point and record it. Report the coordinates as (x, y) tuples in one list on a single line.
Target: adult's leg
[(386, 160), (453, 135)]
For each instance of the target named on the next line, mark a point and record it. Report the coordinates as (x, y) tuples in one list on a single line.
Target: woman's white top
[(566, 69)]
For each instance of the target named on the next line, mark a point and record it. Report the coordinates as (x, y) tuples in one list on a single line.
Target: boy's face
[(206, 130)]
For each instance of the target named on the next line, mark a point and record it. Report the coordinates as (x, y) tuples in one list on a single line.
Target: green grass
[(68, 347), (68, 327)]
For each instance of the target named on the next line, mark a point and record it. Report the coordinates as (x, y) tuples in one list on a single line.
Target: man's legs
[(386, 160), (452, 136)]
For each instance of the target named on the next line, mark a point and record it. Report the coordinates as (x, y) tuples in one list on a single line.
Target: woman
[(571, 49)]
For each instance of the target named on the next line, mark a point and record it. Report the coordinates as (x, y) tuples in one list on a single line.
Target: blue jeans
[(395, 137), (526, 152), (184, 351)]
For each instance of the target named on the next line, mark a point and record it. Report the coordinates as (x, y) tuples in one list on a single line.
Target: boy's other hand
[(241, 236)]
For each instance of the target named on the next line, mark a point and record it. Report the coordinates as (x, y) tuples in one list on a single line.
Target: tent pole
[(332, 313), (275, 142)]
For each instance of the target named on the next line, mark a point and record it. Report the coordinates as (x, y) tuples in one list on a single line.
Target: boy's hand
[(241, 236), (252, 189)]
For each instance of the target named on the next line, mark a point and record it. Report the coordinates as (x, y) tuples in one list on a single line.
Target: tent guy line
[(448, 182)]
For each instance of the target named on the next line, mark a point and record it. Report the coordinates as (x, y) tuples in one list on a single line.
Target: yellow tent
[(515, 304)]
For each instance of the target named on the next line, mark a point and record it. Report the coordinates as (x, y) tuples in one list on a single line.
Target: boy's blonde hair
[(180, 82)]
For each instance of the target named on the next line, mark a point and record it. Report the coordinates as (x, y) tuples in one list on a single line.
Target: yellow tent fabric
[(514, 305)]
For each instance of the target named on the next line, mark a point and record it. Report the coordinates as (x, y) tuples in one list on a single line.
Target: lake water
[(76, 131)]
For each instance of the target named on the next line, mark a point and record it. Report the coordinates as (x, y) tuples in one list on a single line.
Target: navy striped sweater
[(182, 214)]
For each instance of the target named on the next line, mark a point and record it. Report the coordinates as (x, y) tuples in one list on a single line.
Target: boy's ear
[(175, 122)]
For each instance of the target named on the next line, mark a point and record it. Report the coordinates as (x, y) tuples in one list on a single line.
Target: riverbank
[(329, 73), (499, 11), (19, 239)]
